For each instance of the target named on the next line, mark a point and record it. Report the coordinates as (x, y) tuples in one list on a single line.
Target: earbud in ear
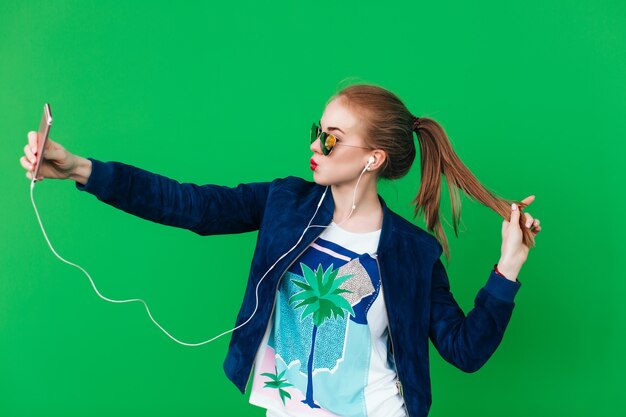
[(370, 162)]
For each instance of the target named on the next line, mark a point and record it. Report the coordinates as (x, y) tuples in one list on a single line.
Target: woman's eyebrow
[(333, 128)]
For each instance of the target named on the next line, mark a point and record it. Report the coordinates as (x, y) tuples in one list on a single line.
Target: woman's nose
[(316, 146)]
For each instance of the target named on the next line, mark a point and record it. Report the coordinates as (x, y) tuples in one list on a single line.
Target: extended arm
[(203, 209)]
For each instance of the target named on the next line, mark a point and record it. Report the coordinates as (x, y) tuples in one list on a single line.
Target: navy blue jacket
[(415, 284)]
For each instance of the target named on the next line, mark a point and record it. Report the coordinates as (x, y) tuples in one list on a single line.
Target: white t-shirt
[(326, 348)]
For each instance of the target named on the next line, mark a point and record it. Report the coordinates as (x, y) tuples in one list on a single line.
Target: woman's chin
[(320, 180)]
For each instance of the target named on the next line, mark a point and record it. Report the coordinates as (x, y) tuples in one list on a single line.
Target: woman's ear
[(380, 158)]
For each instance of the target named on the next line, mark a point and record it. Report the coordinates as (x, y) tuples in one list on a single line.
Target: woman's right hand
[(57, 162)]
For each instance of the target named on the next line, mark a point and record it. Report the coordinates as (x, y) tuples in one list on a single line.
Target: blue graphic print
[(321, 318)]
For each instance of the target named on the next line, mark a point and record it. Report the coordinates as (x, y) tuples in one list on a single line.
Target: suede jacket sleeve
[(468, 342), (203, 209)]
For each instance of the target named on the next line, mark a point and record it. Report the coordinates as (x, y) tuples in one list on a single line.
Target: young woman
[(343, 294)]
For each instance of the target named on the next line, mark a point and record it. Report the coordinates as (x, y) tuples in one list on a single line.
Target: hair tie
[(416, 123)]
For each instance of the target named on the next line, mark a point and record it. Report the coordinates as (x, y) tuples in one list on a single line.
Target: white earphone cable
[(32, 186), (354, 195), (256, 290)]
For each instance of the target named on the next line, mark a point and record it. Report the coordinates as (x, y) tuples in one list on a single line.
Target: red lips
[(313, 164)]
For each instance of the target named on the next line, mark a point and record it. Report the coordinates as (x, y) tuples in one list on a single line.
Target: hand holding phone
[(44, 158)]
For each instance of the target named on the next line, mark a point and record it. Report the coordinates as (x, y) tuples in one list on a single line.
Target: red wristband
[(495, 268)]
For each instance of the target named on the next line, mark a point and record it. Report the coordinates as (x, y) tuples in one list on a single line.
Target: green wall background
[(531, 93)]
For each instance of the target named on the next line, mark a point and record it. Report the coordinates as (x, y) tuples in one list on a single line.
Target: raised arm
[(467, 342), (203, 209)]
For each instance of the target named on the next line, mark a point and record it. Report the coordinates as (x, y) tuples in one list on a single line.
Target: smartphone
[(42, 137)]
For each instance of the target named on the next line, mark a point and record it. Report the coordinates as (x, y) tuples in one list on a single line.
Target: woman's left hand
[(514, 252)]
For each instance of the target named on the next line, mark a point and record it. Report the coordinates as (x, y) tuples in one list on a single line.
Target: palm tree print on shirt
[(277, 382), (323, 300)]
